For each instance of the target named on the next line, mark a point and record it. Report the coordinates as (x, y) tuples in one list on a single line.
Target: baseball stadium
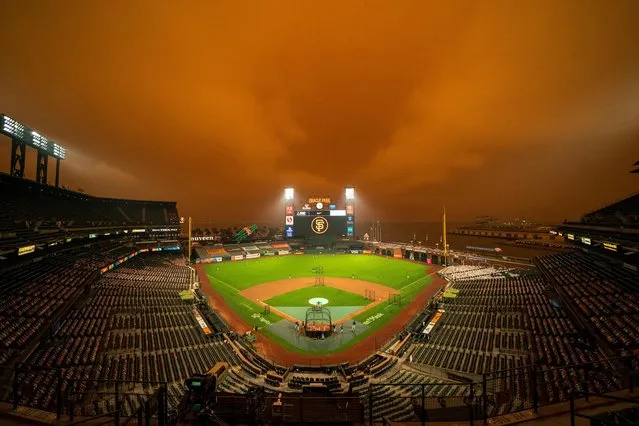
[(115, 311)]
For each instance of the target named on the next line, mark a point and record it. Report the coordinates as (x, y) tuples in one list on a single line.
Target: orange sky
[(508, 108)]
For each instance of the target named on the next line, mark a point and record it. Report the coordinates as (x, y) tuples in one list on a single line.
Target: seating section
[(482, 329), (383, 366), (494, 325), (34, 295), (31, 211), (459, 272), (608, 298), (233, 383), (331, 382), (397, 402), (131, 327)]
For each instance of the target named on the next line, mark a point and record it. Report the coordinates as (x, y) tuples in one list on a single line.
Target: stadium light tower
[(23, 136), (350, 193), (289, 194), (289, 208)]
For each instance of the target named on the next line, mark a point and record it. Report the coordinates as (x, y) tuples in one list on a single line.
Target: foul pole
[(444, 236), (188, 258)]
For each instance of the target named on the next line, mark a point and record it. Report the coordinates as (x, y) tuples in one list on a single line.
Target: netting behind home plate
[(318, 321)]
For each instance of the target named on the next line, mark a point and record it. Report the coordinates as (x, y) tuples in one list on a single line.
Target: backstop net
[(318, 321)]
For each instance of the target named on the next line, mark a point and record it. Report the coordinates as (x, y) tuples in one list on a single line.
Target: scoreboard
[(316, 225), (320, 216)]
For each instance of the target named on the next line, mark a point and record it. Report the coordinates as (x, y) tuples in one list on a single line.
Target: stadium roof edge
[(7, 176)]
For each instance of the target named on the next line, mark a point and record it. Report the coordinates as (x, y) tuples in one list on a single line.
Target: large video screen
[(319, 225)]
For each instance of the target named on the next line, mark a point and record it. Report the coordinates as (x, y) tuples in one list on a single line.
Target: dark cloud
[(491, 107)]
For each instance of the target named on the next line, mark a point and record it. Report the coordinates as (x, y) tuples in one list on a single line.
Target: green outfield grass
[(229, 278), (336, 297), (394, 273)]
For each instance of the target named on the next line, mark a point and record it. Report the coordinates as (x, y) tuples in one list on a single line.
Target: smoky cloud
[(498, 107)]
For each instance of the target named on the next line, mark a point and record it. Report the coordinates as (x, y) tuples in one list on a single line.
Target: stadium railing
[(600, 419), (532, 387), (499, 393), (69, 398)]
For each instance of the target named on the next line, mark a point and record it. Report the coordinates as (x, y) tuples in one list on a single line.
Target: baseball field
[(273, 293)]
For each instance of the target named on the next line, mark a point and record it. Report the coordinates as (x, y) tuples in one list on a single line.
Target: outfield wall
[(426, 255), (273, 252)]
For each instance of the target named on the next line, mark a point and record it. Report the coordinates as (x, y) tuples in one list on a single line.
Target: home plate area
[(337, 312), (303, 305), (286, 330), (339, 303)]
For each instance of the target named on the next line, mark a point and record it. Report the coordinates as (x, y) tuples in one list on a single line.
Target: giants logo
[(319, 225)]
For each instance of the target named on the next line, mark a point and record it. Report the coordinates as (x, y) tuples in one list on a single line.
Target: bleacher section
[(460, 272)]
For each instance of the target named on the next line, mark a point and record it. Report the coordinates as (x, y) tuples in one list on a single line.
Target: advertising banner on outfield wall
[(280, 246), (209, 260), (252, 255), (283, 252), (355, 252), (238, 257), (210, 251)]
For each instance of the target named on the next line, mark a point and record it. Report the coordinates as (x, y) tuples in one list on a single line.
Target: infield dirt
[(265, 291)]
